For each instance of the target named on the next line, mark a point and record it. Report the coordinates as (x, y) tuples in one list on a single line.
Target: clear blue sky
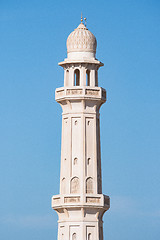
[(33, 37)]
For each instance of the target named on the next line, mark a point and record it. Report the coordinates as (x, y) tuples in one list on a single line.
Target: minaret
[(80, 204)]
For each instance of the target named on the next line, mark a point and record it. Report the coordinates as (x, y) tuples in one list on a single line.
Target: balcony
[(77, 92)]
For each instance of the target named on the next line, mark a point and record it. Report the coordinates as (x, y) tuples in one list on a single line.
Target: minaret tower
[(80, 204)]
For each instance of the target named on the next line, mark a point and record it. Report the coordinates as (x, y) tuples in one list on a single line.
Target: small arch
[(75, 161), (76, 122), (96, 78), (88, 161), (89, 236), (89, 185), (75, 185), (76, 77), (67, 77), (74, 236), (88, 77)]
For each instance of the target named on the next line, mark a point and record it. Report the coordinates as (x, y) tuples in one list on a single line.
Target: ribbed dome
[(81, 40)]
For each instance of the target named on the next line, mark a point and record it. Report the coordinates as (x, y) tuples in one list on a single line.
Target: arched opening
[(89, 236), (75, 161), (96, 78), (88, 161), (74, 236), (88, 77), (67, 78), (89, 185), (76, 77), (75, 185)]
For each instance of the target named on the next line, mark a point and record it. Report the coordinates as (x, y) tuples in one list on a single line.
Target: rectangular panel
[(65, 154), (90, 146), (76, 145), (65, 138), (90, 231), (74, 232)]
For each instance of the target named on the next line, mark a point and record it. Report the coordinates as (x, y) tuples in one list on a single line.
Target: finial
[(85, 19), (81, 18)]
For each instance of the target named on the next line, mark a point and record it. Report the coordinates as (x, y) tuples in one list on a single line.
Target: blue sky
[(33, 41)]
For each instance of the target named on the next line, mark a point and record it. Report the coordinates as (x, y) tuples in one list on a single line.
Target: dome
[(81, 40)]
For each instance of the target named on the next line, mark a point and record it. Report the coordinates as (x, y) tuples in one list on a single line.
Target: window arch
[(88, 77), (74, 236), (76, 77), (89, 185), (75, 161), (75, 185), (89, 236)]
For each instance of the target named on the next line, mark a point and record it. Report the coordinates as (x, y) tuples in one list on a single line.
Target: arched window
[(89, 185), (89, 236), (74, 236), (75, 161), (88, 161), (88, 77), (75, 185), (96, 78), (67, 78), (76, 77)]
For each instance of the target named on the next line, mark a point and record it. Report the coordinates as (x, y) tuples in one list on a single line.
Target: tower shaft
[(80, 204)]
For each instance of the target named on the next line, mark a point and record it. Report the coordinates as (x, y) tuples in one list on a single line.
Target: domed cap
[(81, 40)]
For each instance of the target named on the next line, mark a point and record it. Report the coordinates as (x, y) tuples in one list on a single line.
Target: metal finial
[(85, 19), (81, 18)]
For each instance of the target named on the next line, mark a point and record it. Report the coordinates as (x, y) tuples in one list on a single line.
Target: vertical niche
[(88, 73), (63, 186), (76, 77), (66, 83), (89, 146), (75, 185), (76, 145), (66, 142), (89, 185)]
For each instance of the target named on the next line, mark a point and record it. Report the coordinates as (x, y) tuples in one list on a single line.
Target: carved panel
[(93, 200), (74, 91), (71, 199), (92, 92)]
